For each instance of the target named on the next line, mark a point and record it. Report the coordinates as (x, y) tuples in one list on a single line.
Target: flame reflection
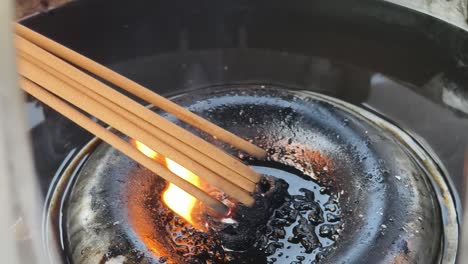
[(175, 198)]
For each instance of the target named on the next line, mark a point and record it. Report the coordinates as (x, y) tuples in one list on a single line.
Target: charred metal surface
[(270, 195)]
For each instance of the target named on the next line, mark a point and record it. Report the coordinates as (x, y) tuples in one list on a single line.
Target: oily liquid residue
[(301, 230), (305, 226)]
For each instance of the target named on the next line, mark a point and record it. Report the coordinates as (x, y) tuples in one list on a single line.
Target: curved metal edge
[(61, 179), (431, 152), (464, 239), (436, 171)]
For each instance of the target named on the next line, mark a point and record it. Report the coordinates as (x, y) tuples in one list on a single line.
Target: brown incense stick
[(192, 153), (135, 108), (138, 90), (95, 108), (118, 143)]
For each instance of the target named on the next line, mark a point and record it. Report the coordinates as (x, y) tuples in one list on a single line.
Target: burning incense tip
[(179, 201)]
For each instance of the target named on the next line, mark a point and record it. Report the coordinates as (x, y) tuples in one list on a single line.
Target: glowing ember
[(175, 198)]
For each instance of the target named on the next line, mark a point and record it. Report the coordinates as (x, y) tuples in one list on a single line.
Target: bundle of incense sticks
[(60, 78)]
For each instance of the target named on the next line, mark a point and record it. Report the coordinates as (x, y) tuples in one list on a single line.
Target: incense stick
[(135, 108), (140, 91), (50, 78), (118, 143), (190, 152), (95, 108)]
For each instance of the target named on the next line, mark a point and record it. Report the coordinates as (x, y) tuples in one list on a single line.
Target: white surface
[(20, 205), (453, 11)]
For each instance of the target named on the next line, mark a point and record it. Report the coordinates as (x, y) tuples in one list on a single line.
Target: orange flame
[(175, 198)]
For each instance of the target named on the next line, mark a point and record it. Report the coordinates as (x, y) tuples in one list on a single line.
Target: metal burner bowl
[(395, 206), (403, 59)]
